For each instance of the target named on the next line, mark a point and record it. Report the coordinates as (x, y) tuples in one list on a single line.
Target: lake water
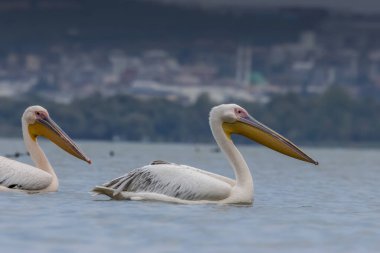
[(333, 207)]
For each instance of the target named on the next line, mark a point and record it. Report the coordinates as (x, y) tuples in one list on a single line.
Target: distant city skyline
[(363, 6), (152, 49)]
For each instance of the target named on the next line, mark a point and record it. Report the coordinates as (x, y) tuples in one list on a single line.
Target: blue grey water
[(333, 207)]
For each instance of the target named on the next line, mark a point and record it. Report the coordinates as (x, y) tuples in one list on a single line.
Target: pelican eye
[(240, 112), (41, 115)]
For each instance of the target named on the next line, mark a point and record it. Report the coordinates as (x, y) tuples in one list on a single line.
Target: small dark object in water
[(215, 150), (112, 153), (16, 155)]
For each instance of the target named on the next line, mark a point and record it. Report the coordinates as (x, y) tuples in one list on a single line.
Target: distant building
[(243, 66)]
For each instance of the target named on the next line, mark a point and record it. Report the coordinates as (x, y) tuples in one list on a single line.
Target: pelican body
[(163, 181), (17, 176)]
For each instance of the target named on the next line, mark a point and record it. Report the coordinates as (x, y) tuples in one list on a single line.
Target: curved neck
[(242, 173), (38, 156)]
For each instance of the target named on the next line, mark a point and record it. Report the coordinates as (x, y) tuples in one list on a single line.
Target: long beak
[(47, 128), (256, 131)]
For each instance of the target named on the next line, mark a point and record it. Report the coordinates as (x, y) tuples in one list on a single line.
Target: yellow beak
[(256, 131), (47, 128)]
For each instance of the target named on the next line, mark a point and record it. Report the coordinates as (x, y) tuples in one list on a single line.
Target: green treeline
[(334, 117)]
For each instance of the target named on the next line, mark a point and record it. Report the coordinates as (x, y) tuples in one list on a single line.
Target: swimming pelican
[(163, 181), (17, 176)]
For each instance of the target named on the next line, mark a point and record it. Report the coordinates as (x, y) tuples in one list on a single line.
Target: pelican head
[(236, 120), (38, 123)]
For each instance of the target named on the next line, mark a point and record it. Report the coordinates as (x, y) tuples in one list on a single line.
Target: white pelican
[(17, 176), (163, 181)]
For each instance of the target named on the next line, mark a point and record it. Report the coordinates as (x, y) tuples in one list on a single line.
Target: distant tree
[(333, 117)]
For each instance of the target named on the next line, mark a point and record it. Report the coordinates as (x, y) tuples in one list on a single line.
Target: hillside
[(36, 23)]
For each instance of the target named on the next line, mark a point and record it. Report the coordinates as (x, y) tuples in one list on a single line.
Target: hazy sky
[(367, 6)]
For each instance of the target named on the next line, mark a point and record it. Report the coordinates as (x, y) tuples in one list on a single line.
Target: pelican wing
[(216, 176), (173, 180), (16, 175)]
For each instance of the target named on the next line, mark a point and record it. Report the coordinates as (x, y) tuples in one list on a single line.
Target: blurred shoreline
[(328, 119), (151, 71)]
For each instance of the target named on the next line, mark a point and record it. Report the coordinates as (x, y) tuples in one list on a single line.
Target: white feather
[(179, 181), (22, 176)]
